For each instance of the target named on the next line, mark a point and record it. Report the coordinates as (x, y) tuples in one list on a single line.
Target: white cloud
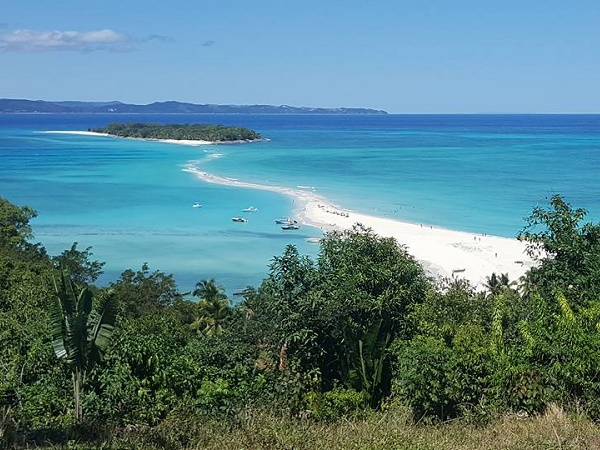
[(83, 41), (159, 37)]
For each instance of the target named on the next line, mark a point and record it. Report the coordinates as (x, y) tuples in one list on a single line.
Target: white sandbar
[(443, 253), (166, 141)]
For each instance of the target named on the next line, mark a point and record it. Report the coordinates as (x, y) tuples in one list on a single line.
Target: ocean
[(132, 201)]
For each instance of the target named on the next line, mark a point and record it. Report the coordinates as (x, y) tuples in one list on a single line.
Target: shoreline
[(443, 253), (188, 142)]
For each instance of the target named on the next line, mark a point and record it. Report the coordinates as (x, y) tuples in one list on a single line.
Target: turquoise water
[(132, 201)]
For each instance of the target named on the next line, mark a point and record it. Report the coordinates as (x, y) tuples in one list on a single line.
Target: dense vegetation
[(193, 132), (360, 333)]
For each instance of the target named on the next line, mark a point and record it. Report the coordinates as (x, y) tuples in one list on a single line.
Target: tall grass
[(253, 429)]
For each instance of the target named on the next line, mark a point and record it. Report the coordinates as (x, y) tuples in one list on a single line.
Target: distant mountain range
[(40, 106)]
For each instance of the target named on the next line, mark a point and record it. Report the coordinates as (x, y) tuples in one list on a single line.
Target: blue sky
[(457, 56)]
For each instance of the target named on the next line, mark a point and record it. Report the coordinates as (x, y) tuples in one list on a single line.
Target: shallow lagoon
[(132, 201)]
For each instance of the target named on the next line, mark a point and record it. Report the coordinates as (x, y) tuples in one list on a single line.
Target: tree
[(213, 308), (15, 232), (81, 333), (567, 251), (338, 317), (365, 362), (141, 293), (82, 269), (497, 284), (14, 224), (215, 133), (372, 277)]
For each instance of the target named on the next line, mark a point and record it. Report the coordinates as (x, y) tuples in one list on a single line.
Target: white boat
[(290, 227), (197, 205), (250, 209), (239, 219), (286, 221)]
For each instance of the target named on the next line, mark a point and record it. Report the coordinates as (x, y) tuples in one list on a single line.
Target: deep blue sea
[(132, 202)]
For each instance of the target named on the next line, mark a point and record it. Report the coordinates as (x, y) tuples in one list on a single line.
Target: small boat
[(197, 205), (250, 209), (286, 221), (239, 219), (291, 226)]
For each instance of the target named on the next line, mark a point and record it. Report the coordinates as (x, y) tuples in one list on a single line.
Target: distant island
[(12, 106), (176, 132)]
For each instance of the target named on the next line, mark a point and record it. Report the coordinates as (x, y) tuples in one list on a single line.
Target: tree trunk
[(78, 379)]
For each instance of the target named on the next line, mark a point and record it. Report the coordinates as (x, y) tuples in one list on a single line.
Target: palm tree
[(213, 308), (365, 362), (80, 333), (497, 284)]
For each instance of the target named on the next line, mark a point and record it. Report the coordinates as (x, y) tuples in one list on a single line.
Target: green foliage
[(360, 327), (443, 371), (14, 224), (445, 311), (213, 308), (366, 360), (444, 381), (496, 285), (44, 402), (271, 430), (143, 293), (285, 306), (470, 370), (213, 133), (420, 378), (335, 404), (156, 365), (8, 426), (32, 387), (557, 358), (81, 334), (371, 277), (477, 363), (337, 318), (79, 265), (568, 252), (131, 385)]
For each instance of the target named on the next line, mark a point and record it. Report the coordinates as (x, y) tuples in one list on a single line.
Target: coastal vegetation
[(192, 132), (355, 349)]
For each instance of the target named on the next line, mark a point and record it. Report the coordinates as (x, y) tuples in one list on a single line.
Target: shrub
[(335, 404)]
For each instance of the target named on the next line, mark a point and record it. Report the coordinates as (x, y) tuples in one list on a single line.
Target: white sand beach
[(166, 141), (82, 133), (443, 253), (182, 142)]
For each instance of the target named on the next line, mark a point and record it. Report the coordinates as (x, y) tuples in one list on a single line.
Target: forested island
[(191, 132), (356, 349)]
